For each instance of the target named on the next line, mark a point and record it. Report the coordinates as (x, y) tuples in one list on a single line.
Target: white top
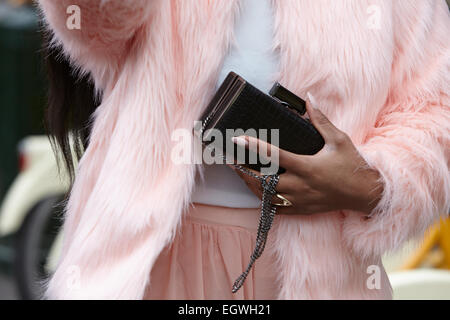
[(252, 57)]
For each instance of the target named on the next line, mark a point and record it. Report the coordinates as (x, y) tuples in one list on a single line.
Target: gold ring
[(285, 203)]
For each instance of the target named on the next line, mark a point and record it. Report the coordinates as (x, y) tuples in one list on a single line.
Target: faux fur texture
[(379, 70)]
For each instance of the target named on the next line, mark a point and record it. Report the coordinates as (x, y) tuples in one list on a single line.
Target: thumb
[(319, 120)]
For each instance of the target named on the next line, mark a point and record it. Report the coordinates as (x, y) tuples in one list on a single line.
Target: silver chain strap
[(268, 211)]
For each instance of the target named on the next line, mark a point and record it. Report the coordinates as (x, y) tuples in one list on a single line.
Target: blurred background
[(32, 191)]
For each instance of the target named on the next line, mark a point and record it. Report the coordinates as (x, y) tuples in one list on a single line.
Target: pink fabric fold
[(209, 252)]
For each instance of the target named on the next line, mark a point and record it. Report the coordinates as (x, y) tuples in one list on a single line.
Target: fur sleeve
[(410, 143), (105, 26)]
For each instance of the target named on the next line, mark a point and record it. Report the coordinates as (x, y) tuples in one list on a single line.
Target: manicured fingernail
[(240, 141), (312, 100)]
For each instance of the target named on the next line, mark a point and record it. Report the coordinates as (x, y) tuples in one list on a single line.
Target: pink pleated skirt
[(211, 249)]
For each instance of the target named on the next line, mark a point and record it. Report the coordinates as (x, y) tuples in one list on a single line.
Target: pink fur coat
[(379, 70)]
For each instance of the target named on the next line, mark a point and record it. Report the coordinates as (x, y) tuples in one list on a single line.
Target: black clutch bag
[(237, 105)]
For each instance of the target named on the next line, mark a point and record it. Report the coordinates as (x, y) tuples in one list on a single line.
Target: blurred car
[(31, 212)]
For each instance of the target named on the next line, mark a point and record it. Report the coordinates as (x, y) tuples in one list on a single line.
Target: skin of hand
[(335, 178)]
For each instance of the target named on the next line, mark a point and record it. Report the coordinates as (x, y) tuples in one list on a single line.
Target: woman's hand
[(336, 178)]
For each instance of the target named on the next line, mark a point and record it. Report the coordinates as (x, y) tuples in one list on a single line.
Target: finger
[(251, 182), (288, 183), (291, 211), (266, 150), (326, 128)]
